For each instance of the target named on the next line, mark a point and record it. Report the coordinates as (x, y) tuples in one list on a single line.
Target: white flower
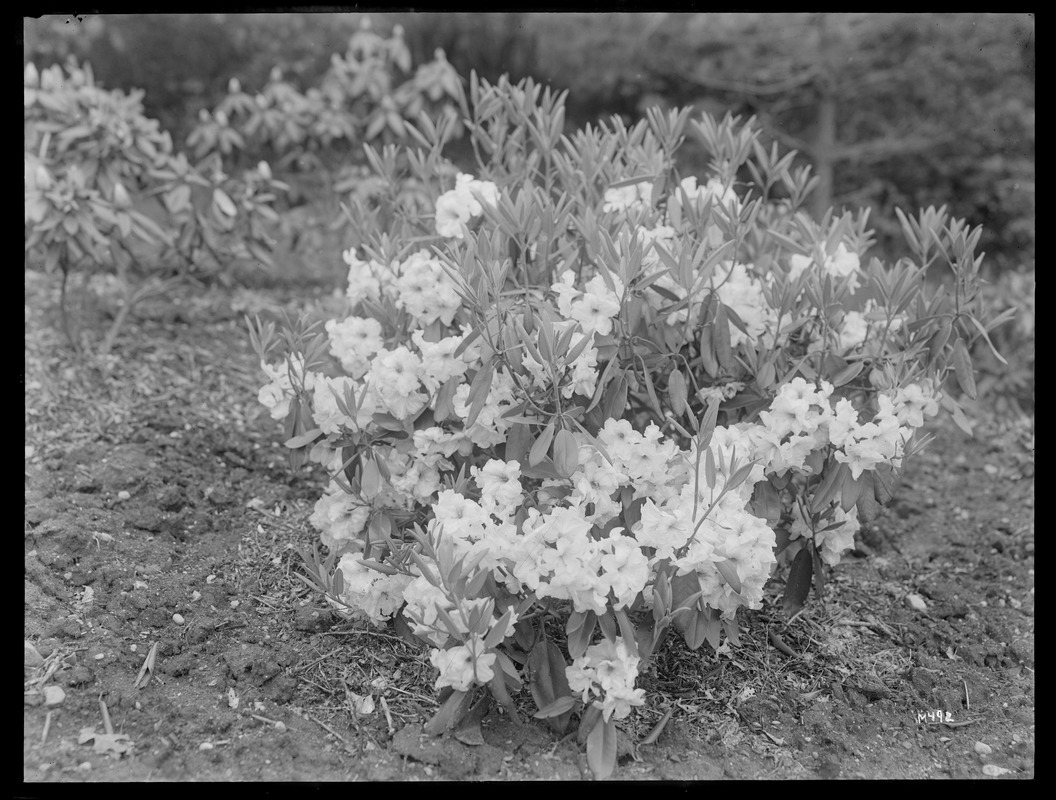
[(339, 517), (456, 207), (353, 341), (629, 197), (843, 263), (607, 671), (464, 666)]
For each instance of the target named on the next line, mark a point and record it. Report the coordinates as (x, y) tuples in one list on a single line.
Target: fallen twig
[(47, 727), (331, 730), (779, 643), (107, 725), (388, 716)]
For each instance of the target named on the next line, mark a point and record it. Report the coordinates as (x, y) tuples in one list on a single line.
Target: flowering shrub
[(367, 95), (587, 388), (92, 157)]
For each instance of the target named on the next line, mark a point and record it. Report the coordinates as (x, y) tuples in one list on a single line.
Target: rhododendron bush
[(579, 386)]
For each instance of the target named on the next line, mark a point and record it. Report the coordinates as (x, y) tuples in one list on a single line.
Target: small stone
[(993, 771), (123, 495), (53, 695), (983, 749), (990, 469), (206, 746), (99, 656), (33, 657), (210, 578), (916, 602), (85, 766), (178, 619)]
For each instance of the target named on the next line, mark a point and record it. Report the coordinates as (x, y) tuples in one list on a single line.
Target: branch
[(759, 89), (888, 146)]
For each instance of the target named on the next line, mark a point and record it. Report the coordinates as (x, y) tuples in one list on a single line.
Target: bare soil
[(161, 515)]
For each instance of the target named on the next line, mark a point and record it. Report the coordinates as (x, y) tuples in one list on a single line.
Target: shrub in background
[(91, 161)]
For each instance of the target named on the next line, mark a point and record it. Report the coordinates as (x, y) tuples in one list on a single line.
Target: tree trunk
[(824, 145)]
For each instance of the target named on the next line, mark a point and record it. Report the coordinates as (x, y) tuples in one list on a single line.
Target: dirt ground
[(161, 518)]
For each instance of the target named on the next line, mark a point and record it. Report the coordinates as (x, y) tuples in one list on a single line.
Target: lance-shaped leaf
[(831, 482), (580, 630), (497, 685), (615, 401), (798, 585), (542, 445), (566, 453), (677, 393), (720, 338), (628, 632), (304, 439), (867, 505), (850, 491), (601, 749), (445, 400), (561, 707), (729, 574), (548, 682), (962, 367), (478, 391), (370, 481), (590, 717), (451, 712)]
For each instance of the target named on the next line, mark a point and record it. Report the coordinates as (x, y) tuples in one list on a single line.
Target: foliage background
[(899, 109)]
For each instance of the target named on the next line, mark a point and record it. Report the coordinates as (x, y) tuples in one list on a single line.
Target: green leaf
[(542, 445), (498, 631), (562, 706), (867, 505), (833, 476), (566, 453), (729, 574), (478, 391), (799, 579), (580, 630), (601, 749), (445, 400), (677, 393), (615, 402), (848, 373), (548, 682), (590, 717), (304, 439), (224, 203), (850, 491), (962, 366), (454, 708), (370, 480)]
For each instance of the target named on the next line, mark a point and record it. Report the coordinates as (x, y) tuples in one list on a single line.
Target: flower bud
[(264, 169), (234, 87), (121, 198), (42, 178), (31, 77)]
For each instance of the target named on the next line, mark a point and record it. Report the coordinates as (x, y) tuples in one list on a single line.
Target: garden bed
[(161, 518)]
